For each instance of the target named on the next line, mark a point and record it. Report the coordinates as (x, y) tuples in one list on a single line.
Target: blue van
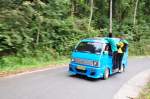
[(92, 59)]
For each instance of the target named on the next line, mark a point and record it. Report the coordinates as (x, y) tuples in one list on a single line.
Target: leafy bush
[(46, 29)]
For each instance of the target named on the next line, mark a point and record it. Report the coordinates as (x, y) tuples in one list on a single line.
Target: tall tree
[(91, 14), (135, 12), (110, 19)]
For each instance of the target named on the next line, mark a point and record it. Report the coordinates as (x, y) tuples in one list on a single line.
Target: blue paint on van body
[(93, 65)]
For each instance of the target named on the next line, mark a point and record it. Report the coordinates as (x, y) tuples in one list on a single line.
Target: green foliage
[(57, 25), (19, 62), (145, 93), (32, 25)]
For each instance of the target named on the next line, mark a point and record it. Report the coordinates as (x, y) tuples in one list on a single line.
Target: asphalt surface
[(57, 84)]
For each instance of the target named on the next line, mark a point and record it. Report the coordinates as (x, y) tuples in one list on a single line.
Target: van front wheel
[(106, 74)]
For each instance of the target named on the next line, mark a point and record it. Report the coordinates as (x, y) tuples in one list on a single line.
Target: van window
[(90, 47), (108, 48)]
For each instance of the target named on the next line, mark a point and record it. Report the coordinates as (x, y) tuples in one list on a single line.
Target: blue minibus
[(91, 58)]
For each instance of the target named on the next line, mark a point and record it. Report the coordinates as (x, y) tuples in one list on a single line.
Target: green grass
[(145, 94), (36, 60), (16, 63), (138, 49)]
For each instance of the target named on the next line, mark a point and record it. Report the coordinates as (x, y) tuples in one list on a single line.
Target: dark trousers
[(114, 60), (119, 60)]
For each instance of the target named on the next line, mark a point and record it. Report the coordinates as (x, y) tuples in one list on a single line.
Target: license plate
[(81, 67)]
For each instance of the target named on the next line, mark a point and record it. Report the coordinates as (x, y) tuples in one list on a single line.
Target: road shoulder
[(30, 71), (133, 87)]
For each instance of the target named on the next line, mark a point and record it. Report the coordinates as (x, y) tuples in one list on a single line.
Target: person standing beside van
[(120, 54), (114, 51), (122, 45)]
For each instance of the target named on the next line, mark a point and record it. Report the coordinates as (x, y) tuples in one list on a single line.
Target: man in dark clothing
[(121, 49), (120, 54)]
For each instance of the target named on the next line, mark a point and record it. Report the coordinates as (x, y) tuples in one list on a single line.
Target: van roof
[(98, 39)]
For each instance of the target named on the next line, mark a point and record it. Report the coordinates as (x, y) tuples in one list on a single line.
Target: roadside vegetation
[(16, 64), (145, 94), (35, 33)]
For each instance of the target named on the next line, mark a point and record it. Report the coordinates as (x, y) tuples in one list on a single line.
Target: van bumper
[(90, 71)]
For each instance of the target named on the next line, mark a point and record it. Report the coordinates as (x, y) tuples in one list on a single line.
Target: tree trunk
[(91, 14), (38, 34), (110, 19), (72, 8), (37, 37), (114, 8), (135, 12)]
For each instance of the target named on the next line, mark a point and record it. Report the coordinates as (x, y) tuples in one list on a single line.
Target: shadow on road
[(85, 78), (82, 77)]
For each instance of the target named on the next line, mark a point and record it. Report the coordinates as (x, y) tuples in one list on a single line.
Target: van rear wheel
[(106, 74)]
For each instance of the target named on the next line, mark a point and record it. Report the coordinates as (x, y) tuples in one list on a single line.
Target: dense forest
[(51, 28)]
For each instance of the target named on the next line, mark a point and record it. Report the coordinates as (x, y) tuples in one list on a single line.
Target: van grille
[(81, 71), (84, 61)]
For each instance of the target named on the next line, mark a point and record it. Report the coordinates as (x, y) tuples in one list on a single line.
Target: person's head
[(110, 35), (122, 35)]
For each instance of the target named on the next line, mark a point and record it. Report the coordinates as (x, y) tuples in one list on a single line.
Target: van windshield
[(90, 47)]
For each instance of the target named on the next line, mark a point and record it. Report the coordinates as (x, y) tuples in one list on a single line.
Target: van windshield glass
[(90, 47)]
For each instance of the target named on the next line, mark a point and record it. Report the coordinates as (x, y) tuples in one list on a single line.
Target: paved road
[(56, 84)]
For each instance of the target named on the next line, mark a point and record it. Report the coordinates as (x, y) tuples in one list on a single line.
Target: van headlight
[(95, 63)]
